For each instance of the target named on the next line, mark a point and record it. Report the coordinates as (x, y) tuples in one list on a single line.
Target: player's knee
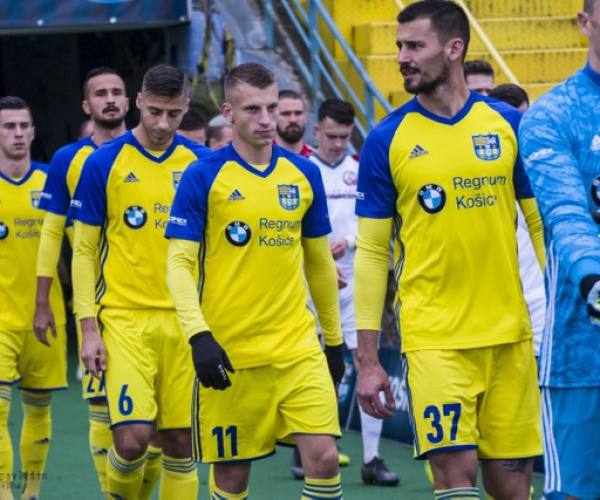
[(130, 445), (322, 463)]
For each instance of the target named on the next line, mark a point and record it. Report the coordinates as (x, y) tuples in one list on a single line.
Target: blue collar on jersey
[(230, 151), (130, 138), (593, 75), (448, 121)]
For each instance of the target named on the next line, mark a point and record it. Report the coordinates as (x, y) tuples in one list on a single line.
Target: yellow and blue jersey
[(450, 185), (250, 223), (128, 192), (63, 175), (21, 220)]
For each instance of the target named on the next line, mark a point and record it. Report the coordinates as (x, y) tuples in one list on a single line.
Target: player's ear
[(85, 106), (455, 48), (584, 23), (138, 100), (226, 112)]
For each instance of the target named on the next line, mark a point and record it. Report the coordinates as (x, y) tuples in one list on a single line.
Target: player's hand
[(372, 380), (210, 361), (43, 319), (590, 291), (341, 277), (93, 352), (338, 248), (335, 363)]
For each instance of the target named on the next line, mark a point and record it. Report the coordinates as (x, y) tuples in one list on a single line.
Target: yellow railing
[(487, 43)]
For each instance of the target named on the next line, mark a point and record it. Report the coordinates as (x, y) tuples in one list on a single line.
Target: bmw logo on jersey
[(3, 230), (238, 233), (135, 217), (432, 198)]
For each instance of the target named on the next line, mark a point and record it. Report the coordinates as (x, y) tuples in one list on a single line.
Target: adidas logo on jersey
[(131, 178), (417, 151), (236, 196)]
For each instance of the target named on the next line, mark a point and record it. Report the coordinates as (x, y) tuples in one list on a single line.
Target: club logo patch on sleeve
[(135, 217), (238, 233), (432, 198)]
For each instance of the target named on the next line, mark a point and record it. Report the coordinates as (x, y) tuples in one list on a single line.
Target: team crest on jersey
[(3, 230), (487, 147), (350, 178), (36, 196), (238, 233), (176, 178), (135, 217), (289, 196), (432, 198)]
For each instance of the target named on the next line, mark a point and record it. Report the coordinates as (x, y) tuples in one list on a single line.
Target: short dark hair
[(166, 81), (338, 110), (478, 67), (447, 18), (290, 94), (253, 74), (14, 103), (511, 94), (588, 6), (192, 120), (215, 132), (102, 70)]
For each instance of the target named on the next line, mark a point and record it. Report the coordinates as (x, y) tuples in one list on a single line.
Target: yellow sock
[(6, 449), (35, 439), (180, 479), (465, 493), (322, 488), (100, 440), (218, 494), (151, 472), (124, 477)]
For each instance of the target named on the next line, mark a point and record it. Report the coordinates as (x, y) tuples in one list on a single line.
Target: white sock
[(371, 433)]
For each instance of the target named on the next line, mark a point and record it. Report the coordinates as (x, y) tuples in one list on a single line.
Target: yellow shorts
[(25, 359), (91, 387), (149, 371), (485, 398), (263, 406)]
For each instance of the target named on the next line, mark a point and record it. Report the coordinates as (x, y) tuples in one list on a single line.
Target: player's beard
[(291, 135), (110, 123), (424, 86)]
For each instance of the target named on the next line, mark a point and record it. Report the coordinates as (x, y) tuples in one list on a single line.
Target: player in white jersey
[(340, 175)]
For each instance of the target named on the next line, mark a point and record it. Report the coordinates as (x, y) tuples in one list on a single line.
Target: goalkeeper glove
[(590, 291), (335, 362), (210, 361)]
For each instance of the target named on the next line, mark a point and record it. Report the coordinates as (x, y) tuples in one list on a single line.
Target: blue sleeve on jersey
[(315, 222), (549, 147), (55, 197), (187, 220), (376, 193), (513, 117), (89, 200)]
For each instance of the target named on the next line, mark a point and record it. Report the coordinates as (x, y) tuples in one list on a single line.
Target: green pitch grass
[(70, 473)]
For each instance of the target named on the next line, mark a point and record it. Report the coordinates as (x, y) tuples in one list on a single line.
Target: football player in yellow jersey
[(120, 208), (105, 101), (256, 214), (443, 173), (38, 369)]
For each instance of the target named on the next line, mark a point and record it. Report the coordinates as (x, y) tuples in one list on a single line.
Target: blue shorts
[(571, 424)]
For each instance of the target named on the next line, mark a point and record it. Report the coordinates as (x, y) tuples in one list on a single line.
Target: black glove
[(210, 361), (335, 362), (590, 292)]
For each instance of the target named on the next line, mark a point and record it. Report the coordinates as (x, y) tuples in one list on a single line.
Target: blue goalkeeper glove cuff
[(590, 291)]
